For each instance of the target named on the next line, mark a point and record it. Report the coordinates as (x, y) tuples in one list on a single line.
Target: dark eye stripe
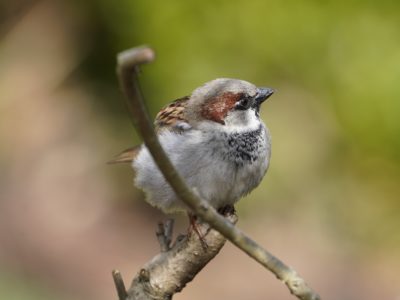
[(244, 103)]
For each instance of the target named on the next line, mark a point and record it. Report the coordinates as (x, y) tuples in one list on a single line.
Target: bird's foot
[(194, 226)]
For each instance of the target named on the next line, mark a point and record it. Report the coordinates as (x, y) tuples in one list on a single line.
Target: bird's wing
[(171, 117)]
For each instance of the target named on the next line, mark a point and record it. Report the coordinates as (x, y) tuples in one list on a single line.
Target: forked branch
[(128, 66), (169, 271)]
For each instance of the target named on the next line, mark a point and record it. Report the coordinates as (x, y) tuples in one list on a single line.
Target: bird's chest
[(238, 164), (244, 148)]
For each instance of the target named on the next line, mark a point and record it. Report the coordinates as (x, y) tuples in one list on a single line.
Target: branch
[(169, 272), (164, 235), (119, 285), (128, 66)]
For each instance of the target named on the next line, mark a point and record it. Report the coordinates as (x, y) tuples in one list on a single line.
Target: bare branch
[(164, 235), (128, 63), (119, 285), (169, 272), (168, 228)]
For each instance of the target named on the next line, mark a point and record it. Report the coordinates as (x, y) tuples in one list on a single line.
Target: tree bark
[(175, 266)]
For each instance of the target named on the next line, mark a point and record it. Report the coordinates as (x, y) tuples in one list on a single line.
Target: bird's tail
[(126, 156)]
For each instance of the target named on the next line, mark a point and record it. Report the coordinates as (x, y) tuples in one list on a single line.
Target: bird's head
[(227, 102)]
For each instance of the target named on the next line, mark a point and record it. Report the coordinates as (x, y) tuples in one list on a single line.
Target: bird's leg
[(194, 226)]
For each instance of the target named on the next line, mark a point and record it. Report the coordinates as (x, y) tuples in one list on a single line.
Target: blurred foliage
[(346, 52), (335, 122), (339, 56), (336, 65), (19, 288)]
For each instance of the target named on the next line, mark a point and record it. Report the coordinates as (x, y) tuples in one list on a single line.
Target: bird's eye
[(244, 103)]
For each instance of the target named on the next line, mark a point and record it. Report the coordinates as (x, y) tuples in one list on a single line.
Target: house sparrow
[(216, 141)]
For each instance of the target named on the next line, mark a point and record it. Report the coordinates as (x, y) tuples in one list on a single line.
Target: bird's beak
[(263, 94)]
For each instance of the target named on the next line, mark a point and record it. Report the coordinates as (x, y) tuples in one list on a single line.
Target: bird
[(216, 141)]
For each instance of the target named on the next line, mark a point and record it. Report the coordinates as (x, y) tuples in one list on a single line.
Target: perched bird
[(216, 141)]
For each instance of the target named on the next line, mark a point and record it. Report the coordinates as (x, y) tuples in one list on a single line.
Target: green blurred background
[(329, 205)]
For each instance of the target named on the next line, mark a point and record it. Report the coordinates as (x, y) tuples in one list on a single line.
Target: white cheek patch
[(242, 120)]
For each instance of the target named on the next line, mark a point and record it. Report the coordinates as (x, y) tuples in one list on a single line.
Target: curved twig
[(128, 64)]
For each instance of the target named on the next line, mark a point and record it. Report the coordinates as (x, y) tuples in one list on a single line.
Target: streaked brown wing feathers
[(171, 115)]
